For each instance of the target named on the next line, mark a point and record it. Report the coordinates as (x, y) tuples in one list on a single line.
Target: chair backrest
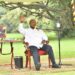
[(2, 31)]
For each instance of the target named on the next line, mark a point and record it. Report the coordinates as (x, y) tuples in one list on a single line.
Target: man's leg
[(34, 51), (49, 50)]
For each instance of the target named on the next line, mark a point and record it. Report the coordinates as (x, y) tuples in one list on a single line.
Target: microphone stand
[(59, 46), (59, 38)]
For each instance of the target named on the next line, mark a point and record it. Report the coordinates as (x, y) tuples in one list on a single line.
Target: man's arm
[(44, 38), (20, 27)]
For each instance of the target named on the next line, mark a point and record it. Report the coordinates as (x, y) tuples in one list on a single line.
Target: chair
[(28, 57)]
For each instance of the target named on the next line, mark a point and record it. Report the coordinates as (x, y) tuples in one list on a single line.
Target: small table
[(11, 41)]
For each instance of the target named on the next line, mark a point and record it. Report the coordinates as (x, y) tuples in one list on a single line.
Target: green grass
[(67, 51), (67, 47), (14, 35)]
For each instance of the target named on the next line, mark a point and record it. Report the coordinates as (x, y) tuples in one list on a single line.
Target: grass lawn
[(67, 47), (67, 51)]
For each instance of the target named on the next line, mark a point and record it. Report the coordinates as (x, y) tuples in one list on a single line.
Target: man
[(37, 39)]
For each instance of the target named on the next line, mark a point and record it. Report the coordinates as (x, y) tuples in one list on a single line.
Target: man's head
[(32, 23)]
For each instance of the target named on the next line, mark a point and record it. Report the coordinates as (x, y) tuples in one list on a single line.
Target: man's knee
[(48, 47), (32, 48)]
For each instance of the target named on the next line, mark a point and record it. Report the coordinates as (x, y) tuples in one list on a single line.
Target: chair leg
[(29, 61), (26, 65)]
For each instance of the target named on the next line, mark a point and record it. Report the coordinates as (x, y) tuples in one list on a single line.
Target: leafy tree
[(54, 10)]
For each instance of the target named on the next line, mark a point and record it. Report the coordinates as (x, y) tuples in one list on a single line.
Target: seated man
[(36, 39)]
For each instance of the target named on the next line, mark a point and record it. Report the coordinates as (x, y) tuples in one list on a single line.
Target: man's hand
[(45, 42), (26, 44), (22, 19)]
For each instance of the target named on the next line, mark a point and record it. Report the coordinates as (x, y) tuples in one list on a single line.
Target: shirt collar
[(33, 29)]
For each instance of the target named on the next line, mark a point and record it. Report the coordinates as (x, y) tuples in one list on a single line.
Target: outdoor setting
[(37, 37)]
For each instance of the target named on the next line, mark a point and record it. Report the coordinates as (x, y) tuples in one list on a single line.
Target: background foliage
[(48, 13)]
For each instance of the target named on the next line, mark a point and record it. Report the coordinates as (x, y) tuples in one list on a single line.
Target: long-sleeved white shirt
[(33, 36)]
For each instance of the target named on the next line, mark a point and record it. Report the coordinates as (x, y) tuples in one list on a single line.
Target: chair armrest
[(26, 45), (27, 52)]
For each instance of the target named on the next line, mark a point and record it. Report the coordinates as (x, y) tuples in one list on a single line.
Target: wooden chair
[(28, 57)]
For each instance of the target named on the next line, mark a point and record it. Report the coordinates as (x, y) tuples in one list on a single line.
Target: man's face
[(32, 23)]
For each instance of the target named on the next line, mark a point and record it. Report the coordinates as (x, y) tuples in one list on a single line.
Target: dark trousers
[(47, 48)]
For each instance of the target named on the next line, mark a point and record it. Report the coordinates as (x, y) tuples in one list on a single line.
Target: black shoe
[(38, 66), (55, 66)]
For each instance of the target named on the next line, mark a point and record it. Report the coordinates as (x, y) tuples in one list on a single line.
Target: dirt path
[(68, 65)]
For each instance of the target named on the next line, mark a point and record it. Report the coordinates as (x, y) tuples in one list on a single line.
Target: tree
[(50, 9)]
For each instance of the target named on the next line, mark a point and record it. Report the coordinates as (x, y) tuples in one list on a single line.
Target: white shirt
[(33, 36)]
